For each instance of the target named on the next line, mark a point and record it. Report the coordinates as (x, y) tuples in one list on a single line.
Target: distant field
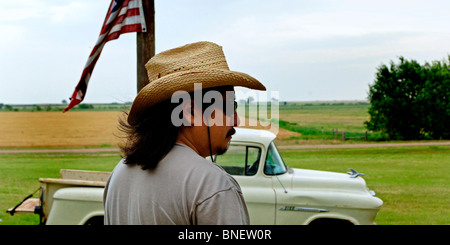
[(72, 129), (55, 129), (327, 116), (326, 122), (323, 122), (299, 123)]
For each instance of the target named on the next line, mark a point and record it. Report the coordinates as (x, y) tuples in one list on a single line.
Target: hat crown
[(195, 56)]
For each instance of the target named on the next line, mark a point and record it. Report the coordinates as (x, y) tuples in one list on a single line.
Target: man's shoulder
[(184, 157), (184, 154), (197, 161), (199, 176)]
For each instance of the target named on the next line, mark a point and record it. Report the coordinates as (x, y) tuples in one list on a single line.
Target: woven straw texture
[(178, 69)]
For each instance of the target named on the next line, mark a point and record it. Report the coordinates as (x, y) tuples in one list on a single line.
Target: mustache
[(231, 132)]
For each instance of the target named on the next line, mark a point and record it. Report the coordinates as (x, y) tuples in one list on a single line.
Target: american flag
[(123, 16)]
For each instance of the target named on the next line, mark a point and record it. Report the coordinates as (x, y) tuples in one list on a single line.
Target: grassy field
[(325, 122), (412, 181), (343, 116), (322, 122), (19, 174)]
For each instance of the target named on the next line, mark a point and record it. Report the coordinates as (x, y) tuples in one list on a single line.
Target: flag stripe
[(123, 16), (122, 20), (129, 23), (124, 29)]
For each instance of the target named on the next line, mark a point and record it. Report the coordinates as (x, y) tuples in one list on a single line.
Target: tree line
[(410, 101)]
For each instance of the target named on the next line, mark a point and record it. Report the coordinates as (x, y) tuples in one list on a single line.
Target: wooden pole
[(145, 43)]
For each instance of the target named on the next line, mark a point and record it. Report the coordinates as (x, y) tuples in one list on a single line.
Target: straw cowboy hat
[(179, 68)]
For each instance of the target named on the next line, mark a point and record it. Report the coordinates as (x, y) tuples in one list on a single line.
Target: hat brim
[(163, 88)]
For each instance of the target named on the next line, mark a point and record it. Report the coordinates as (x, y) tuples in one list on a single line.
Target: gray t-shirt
[(184, 189)]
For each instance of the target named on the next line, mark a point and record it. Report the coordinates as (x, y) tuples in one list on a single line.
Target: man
[(164, 177)]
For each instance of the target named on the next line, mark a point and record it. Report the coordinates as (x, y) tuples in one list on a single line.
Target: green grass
[(323, 121), (412, 181), (19, 174), (327, 121)]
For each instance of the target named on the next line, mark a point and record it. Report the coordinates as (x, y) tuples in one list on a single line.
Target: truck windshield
[(274, 163)]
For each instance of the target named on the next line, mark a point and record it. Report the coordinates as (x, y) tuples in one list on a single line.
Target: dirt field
[(55, 129), (72, 129)]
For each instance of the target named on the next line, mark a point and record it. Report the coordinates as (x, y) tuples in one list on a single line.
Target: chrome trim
[(354, 173), (292, 208)]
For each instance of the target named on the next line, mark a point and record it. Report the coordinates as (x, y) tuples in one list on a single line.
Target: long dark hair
[(151, 137), (153, 134)]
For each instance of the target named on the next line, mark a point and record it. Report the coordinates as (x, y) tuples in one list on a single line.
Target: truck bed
[(69, 178)]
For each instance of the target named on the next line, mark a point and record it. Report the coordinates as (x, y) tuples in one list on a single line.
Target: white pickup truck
[(275, 194)]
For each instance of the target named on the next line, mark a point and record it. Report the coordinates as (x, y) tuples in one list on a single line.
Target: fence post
[(343, 135), (366, 137)]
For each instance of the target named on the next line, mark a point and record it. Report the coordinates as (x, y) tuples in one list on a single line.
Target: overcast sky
[(306, 50)]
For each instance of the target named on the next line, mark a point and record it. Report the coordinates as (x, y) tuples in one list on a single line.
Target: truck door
[(275, 167), (244, 162)]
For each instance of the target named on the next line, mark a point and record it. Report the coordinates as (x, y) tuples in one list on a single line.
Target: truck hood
[(314, 179), (332, 189)]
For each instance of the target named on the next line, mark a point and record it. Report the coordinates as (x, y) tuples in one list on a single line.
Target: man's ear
[(188, 112), (192, 113), (181, 114)]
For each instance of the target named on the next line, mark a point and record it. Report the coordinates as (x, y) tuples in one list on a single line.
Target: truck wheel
[(96, 221), (327, 221)]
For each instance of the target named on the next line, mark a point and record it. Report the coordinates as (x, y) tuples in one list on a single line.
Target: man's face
[(218, 110), (221, 133)]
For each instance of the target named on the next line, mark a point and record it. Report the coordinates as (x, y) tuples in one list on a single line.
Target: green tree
[(411, 101), (85, 106), (437, 87)]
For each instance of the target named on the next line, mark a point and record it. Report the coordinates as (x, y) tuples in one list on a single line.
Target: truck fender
[(75, 205)]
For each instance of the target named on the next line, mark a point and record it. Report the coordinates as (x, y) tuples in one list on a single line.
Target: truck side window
[(240, 160), (274, 163)]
